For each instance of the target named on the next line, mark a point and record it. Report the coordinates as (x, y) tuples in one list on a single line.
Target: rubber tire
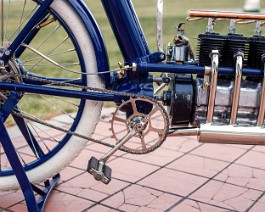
[(92, 109)]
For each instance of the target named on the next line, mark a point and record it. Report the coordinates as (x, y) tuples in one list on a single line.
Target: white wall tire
[(92, 108)]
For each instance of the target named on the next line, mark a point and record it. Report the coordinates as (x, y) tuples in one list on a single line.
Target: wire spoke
[(43, 56), (23, 126), (2, 22), (7, 19), (40, 137), (56, 106), (22, 22), (52, 65), (22, 15), (44, 41), (40, 129), (66, 101), (51, 55)]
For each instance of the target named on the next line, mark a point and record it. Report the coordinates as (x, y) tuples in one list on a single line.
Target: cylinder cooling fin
[(253, 49), (207, 43), (227, 45), (234, 43), (256, 51)]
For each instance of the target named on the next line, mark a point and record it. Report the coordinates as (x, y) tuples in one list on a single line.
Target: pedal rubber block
[(107, 174), (92, 164), (93, 168)]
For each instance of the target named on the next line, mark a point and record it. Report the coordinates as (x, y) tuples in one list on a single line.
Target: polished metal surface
[(227, 109), (237, 86), (249, 93), (262, 104), (223, 134), (231, 134), (183, 132), (159, 25), (248, 108), (213, 85), (180, 53)]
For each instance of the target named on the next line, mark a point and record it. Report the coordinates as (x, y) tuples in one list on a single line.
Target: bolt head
[(7, 53), (162, 57)]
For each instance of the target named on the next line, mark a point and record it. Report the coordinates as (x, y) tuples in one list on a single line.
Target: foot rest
[(101, 172)]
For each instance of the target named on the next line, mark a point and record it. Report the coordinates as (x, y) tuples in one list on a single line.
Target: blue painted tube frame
[(127, 29), (131, 40), (58, 91), (193, 69)]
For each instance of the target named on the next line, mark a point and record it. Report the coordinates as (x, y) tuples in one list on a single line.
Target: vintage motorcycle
[(216, 94)]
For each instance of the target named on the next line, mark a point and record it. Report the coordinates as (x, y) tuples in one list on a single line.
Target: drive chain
[(65, 84)]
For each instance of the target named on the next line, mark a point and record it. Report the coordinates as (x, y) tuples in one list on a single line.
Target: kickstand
[(25, 185), (27, 188), (49, 185)]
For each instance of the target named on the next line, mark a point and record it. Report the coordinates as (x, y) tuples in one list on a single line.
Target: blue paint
[(127, 29)]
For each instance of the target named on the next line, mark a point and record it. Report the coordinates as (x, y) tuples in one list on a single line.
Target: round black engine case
[(181, 107)]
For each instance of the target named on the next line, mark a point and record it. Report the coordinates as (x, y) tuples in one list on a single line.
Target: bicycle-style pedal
[(99, 170)]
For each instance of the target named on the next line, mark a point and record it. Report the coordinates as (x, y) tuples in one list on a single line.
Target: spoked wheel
[(61, 49)]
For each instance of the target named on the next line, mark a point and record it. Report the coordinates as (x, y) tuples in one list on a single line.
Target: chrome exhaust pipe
[(208, 133), (231, 135)]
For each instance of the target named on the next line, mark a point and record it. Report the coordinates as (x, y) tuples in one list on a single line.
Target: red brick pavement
[(182, 175)]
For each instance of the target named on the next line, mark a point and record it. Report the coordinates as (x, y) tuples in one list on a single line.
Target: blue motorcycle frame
[(134, 48), (128, 32)]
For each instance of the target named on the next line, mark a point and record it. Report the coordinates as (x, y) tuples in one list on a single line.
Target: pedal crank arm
[(98, 168), (119, 144)]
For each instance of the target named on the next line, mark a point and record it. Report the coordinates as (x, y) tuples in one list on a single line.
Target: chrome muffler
[(231, 135), (208, 133)]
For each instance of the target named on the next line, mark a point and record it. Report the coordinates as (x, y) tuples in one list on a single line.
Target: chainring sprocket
[(154, 125)]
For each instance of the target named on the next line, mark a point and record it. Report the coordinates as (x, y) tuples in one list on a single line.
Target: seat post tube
[(127, 29)]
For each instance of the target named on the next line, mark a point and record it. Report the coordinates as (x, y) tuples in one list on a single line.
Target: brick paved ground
[(182, 175)]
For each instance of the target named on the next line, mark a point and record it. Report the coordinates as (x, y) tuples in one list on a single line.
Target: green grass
[(175, 11)]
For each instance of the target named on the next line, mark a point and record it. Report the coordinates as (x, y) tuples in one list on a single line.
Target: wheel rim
[(35, 63)]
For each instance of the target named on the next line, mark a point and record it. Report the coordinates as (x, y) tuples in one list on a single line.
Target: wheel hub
[(9, 72)]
